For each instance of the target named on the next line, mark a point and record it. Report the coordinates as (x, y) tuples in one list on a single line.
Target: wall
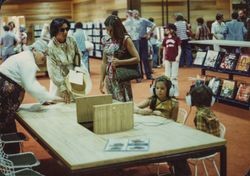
[(198, 8), (97, 10), (37, 12)]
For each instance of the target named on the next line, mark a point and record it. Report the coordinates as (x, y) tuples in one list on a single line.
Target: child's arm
[(174, 113), (179, 54), (141, 108)]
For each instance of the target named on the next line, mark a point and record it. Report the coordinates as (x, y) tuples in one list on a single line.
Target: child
[(205, 120), (171, 55), (161, 103)]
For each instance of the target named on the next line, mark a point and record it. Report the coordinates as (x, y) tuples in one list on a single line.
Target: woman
[(202, 32), (63, 56), (118, 42), (17, 75)]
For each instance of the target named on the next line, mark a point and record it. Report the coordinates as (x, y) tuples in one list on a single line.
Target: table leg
[(223, 161)]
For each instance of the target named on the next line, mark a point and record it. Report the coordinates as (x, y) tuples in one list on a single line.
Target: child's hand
[(143, 111), (158, 113)]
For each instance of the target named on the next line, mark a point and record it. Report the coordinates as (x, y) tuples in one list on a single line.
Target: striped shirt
[(181, 29), (202, 32)]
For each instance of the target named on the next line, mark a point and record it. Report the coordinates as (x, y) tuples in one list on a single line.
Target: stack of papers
[(133, 144)]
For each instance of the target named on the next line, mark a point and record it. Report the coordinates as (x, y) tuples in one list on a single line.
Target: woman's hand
[(66, 96), (115, 62), (102, 87)]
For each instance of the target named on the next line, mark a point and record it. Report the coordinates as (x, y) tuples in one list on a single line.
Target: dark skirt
[(11, 96)]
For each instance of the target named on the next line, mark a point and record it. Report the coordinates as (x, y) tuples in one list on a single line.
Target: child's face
[(161, 90)]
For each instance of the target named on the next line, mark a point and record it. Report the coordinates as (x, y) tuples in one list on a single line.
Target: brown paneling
[(37, 12), (198, 8), (98, 10)]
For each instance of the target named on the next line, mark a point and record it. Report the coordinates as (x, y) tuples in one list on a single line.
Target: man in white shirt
[(17, 75), (217, 29)]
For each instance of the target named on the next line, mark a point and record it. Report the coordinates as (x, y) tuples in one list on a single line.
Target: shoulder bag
[(125, 72)]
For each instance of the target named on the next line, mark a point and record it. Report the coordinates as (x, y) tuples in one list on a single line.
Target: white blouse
[(22, 69)]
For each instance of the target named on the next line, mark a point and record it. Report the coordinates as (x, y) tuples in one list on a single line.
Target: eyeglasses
[(63, 29)]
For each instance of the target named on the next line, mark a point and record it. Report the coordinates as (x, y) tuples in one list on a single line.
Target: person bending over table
[(17, 75)]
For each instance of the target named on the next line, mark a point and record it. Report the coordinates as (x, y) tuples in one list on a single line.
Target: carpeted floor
[(236, 120)]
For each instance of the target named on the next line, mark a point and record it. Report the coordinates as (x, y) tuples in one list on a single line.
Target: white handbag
[(89, 45)]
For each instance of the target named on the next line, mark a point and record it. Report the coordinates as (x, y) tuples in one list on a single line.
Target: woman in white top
[(217, 29), (17, 75)]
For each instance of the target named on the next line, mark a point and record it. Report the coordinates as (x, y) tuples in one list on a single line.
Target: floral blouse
[(109, 48), (61, 60)]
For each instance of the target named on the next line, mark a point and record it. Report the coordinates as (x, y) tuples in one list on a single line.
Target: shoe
[(150, 78)]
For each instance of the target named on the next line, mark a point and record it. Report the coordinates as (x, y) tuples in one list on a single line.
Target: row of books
[(223, 61), (229, 89)]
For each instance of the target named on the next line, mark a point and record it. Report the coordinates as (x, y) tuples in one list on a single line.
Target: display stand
[(230, 73), (95, 34)]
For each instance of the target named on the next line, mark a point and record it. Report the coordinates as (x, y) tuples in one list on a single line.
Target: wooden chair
[(7, 169), (211, 158), (181, 118)]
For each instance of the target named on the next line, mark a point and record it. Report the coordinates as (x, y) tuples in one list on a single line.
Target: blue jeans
[(186, 54), (144, 57), (155, 56), (137, 46), (85, 59)]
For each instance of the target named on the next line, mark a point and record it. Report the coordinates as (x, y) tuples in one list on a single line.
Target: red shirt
[(171, 47)]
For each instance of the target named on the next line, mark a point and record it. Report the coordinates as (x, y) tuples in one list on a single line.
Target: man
[(8, 42), (235, 30), (132, 27), (144, 24), (81, 37), (243, 18)]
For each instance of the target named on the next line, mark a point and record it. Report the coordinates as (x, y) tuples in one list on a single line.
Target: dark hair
[(11, 23), (114, 12), (151, 19), (22, 29), (6, 28), (78, 25), (235, 15), (179, 18), (201, 96), (200, 20), (56, 24), (118, 28), (171, 26), (219, 16), (168, 85)]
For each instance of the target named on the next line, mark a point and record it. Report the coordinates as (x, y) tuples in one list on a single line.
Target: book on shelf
[(228, 61), (125, 144), (200, 56), (227, 89), (214, 83), (211, 59), (243, 93), (243, 63)]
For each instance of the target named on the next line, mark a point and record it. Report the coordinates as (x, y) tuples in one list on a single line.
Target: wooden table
[(80, 150)]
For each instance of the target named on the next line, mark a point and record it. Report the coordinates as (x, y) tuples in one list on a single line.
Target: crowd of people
[(127, 43)]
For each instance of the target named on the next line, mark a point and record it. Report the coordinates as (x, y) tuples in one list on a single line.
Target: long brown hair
[(118, 28)]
